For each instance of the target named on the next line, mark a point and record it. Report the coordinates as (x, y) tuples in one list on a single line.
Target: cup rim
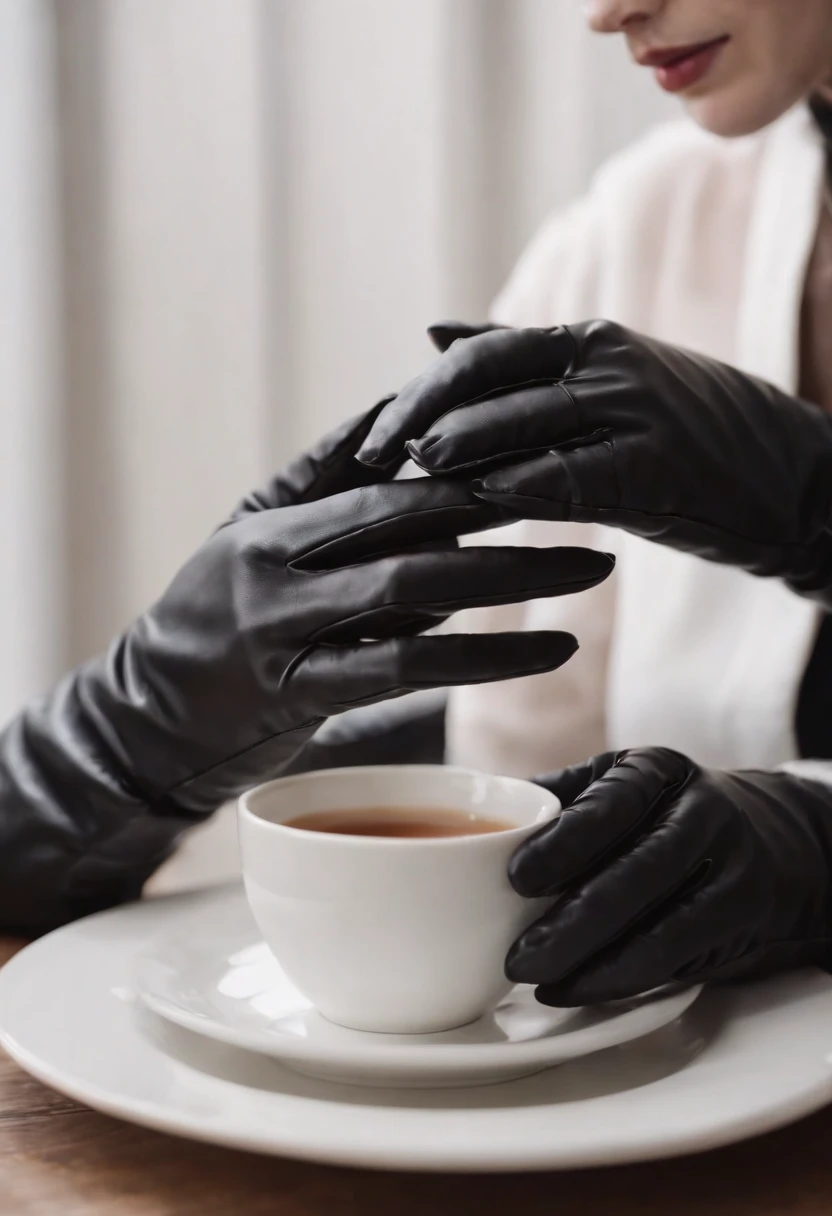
[(345, 840)]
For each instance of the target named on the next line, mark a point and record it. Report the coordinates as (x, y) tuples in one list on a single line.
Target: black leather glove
[(299, 607), (599, 424), (408, 730), (667, 871)]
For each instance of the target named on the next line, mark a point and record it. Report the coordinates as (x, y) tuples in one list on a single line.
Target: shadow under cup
[(391, 934)]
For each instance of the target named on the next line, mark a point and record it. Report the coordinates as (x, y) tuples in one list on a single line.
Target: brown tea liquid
[(416, 822)]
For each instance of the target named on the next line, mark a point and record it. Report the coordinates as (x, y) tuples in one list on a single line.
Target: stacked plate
[(173, 1014)]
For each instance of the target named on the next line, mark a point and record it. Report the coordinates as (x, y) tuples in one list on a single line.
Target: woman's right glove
[(304, 604)]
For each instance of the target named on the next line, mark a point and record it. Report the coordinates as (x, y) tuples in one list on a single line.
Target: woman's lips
[(679, 68)]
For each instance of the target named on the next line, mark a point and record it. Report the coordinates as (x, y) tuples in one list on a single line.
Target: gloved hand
[(667, 871), (407, 730), (595, 423), (299, 607)]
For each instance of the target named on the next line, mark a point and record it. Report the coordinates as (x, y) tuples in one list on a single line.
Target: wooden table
[(59, 1159)]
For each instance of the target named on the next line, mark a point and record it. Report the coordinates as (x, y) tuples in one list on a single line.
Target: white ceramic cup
[(389, 934)]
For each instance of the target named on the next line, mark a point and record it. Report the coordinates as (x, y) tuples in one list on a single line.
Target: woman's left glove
[(595, 423), (667, 871), (305, 603)]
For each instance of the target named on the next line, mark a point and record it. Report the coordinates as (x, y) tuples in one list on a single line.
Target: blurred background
[(224, 225)]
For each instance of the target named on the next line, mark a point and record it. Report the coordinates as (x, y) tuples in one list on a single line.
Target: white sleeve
[(812, 770), (556, 279), (544, 722)]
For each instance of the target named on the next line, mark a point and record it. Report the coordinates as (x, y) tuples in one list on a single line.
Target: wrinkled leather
[(408, 730), (304, 604), (670, 872), (595, 423)]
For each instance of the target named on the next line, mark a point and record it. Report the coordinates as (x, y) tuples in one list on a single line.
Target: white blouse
[(703, 242)]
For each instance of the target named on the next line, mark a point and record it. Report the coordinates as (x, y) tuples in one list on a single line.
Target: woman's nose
[(616, 16)]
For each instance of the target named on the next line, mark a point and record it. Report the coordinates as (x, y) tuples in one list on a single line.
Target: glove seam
[(411, 687), (783, 546), (295, 562), (576, 347), (591, 960), (279, 734), (442, 609), (633, 832), (494, 395)]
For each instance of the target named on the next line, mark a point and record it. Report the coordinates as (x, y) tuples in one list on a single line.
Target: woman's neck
[(824, 92)]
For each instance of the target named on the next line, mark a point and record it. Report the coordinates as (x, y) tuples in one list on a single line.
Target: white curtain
[(30, 541), (224, 224)]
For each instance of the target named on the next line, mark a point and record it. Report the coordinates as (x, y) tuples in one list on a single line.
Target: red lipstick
[(679, 67)]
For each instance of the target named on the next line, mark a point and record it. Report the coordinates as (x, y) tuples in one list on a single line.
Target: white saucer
[(742, 1060), (214, 975)]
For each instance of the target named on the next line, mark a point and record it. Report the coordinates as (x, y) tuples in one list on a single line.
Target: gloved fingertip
[(484, 491), (521, 966), (526, 873), (368, 454), (444, 333), (417, 450), (542, 653), (592, 985), (380, 458), (561, 996), (492, 483), (590, 563), (569, 646)]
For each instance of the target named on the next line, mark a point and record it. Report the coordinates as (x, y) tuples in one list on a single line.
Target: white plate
[(742, 1060), (214, 975)]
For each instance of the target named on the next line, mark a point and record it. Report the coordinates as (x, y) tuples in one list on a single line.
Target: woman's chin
[(741, 108)]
